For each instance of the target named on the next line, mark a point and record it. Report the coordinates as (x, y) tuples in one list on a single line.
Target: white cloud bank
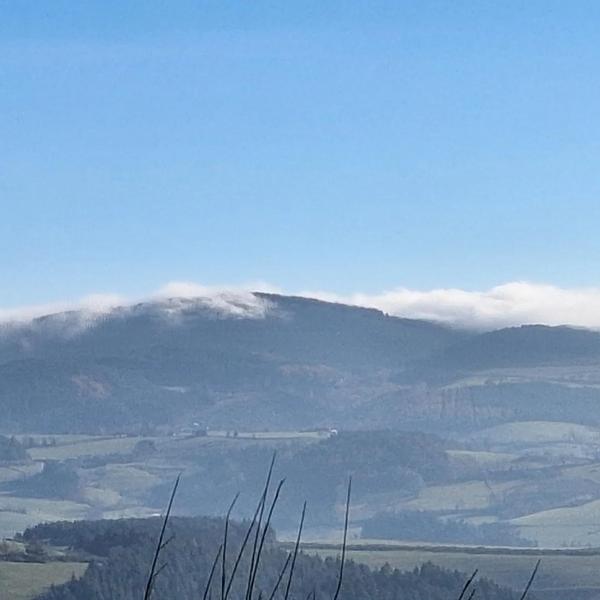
[(509, 304), (92, 304), (514, 303), (237, 302), (230, 301)]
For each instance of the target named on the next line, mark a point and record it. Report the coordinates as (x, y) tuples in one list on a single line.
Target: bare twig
[(295, 554), (531, 578), (345, 541), (243, 547), (467, 584), (263, 538), (212, 572), (160, 545), (224, 553), (238, 558), (472, 594), (166, 543), (159, 571), (280, 578), (263, 502)]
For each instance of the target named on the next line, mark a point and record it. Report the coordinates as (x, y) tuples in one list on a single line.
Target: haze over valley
[(106, 410), (299, 300)]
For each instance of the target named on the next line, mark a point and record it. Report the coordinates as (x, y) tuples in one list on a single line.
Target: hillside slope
[(259, 361), (124, 549)]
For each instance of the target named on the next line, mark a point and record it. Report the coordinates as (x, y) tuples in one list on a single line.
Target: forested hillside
[(123, 551), (276, 361), (381, 462), (264, 361)]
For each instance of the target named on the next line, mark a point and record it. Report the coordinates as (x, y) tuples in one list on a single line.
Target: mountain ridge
[(262, 360)]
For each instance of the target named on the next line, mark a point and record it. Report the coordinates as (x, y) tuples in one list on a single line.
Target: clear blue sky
[(339, 145)]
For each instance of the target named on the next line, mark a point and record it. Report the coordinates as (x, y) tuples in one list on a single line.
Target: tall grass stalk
[(161, 544)]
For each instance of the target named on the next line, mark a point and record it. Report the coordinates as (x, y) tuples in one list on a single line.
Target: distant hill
[(525, 346), (267, 361), (286, 362), (535, 433), (277, 328)]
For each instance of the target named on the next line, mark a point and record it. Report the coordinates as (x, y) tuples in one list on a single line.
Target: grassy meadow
[(24, 581), (561, 572)]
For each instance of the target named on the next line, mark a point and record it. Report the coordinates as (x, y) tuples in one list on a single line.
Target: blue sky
[(345, 146)]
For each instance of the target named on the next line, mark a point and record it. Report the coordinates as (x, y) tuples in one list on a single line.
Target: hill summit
[(258, 361)]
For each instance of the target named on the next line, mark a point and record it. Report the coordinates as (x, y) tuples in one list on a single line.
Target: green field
[(17, 514), (24, 581), (468, 495), (119, 486), (560, 571), (14, 472), (84, 447), (538, 432), (76, 446), (553, 501), (482, 458), (577, 525)]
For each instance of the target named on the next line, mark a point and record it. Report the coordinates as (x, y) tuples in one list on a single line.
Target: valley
[(540, 480), (456, 446)]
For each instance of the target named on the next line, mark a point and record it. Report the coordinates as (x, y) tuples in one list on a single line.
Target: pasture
[(24, 581), (563, 573)]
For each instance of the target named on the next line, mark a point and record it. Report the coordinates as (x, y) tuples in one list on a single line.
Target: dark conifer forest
[(121, 552)]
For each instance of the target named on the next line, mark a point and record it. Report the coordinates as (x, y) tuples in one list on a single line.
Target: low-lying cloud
[(510, 304), (224, 301), (90, 305), (237, 302)]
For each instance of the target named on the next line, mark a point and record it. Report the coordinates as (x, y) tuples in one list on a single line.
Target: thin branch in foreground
[(241, 550), (472, 594), (531, 578), (468, 584), (224, 553), (254, 569), (160, 545), (212, 571), (345, 541), (166, 543), (295, 555), (280, 578), (159, 571), (259, 508), (263, 502)]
